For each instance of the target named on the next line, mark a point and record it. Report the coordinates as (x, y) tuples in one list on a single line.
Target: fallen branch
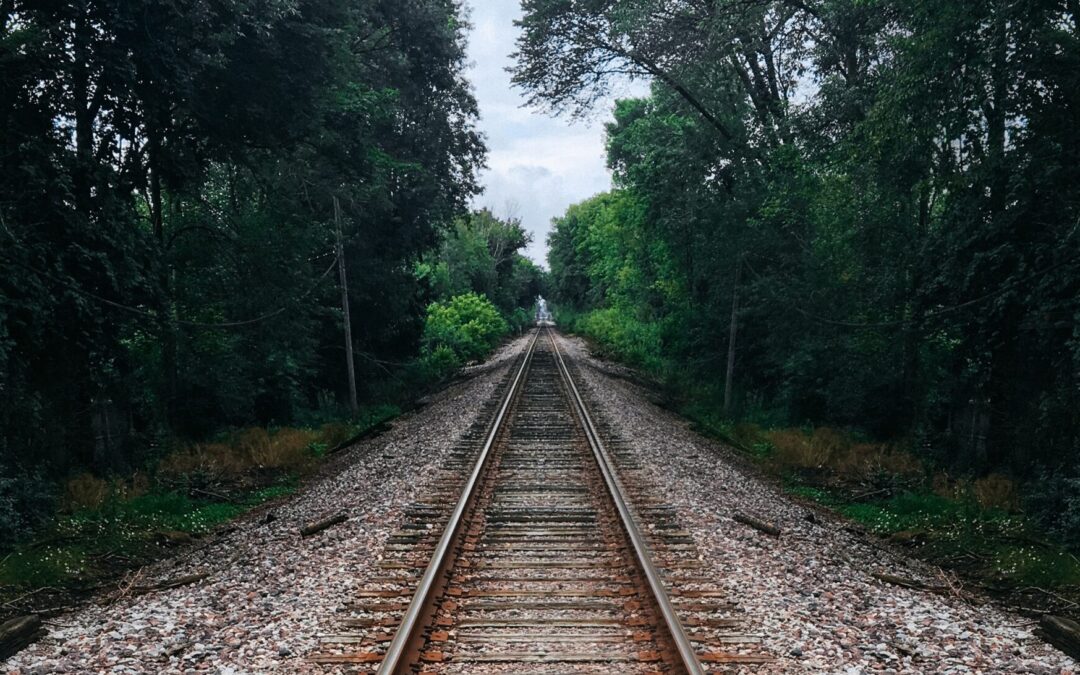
[(758, 525), (128, 585), (864, 495), (216, 495), (953, 584), (1069, 604), (14, 601), (1062, 633), (321, 525), (18, 633), (371, 432)]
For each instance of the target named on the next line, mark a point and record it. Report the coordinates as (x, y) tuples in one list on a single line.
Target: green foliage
[(520, 319), (482, 254), (436, 365), (483, 287), (165, 264), (1000, 547), (76, 549), (896, 247), (45, 566), (819, 495), (916, 511), (26, 501), (1054, 501), (469, 325), (371, 416), (891, 252), (622, 337)]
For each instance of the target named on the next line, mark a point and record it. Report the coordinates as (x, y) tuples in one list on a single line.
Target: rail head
[(425, 590), (687, 656)]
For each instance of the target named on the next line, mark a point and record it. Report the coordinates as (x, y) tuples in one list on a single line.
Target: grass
[(970, 525), (82, 547), (107, 525), (997, 547)]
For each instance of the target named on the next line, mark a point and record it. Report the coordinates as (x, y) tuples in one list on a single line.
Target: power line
[(153, 315), (940, 312)]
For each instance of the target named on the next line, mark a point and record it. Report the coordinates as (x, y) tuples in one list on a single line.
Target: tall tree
[(169, 170)]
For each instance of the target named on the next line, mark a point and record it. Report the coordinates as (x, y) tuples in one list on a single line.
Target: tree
[(166, 208), (904, 227), (481, 253)]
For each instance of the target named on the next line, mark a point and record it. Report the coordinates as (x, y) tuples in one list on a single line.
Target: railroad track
[(540, 549)]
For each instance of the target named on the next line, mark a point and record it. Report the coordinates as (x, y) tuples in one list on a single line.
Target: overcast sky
[(537, 165)]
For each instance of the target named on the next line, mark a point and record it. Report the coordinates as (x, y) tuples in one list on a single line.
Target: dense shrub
[(619, 335), (468, 325), (85, 491), (26, 501), (520, 319), (434, 366), (1054, 501)]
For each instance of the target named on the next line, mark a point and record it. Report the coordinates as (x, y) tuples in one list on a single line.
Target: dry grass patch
[(248, 450), (996, 491), (834, 450), (85, 491), (993, 491), (333, 434)]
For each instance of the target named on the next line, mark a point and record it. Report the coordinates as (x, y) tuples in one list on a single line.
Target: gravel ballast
[(271, 593), (809, 591)]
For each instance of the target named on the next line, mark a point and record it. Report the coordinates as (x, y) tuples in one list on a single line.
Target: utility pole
[(731, 338), (353, 407)]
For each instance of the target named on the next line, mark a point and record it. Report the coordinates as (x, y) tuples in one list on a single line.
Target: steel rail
[(422, 599), (687, 656)]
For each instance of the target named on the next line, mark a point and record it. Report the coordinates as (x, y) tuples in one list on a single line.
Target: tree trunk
[(166, 320), (84, 123), (350, 368), (18, 633), (729, 376)]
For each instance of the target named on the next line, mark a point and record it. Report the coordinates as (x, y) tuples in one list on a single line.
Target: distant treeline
[(880, 196)]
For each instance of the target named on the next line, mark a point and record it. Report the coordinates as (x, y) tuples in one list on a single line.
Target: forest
[(842, 235), (852, 223), (181, 182)]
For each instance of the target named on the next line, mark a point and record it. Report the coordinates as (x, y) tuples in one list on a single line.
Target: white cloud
[(537, 165)]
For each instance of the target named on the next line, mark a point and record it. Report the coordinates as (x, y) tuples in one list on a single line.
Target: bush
[(995, 491), (26, 501), (520, 320), (247, 450), (468, 325), (1054, 501), (85, 491), (622, 336), (827, 448)]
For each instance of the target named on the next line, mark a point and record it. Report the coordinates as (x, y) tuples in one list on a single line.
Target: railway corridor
[(544, 574), (545, 568), (541, 575)]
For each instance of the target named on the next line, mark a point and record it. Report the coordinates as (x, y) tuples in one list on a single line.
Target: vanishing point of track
[(541, 549)]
